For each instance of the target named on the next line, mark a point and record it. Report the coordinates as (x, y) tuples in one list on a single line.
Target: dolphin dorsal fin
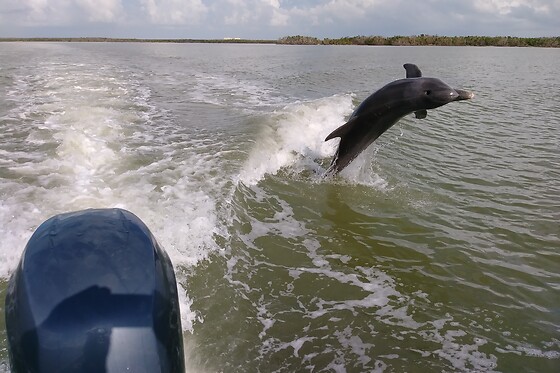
[(412, 71)]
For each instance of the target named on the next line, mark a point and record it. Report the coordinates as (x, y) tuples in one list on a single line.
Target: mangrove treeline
[(501, 41)]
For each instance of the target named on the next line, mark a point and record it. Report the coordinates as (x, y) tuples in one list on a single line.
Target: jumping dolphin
[(377, 113)]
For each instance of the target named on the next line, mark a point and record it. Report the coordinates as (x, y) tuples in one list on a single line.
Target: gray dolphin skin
[(377, 113)]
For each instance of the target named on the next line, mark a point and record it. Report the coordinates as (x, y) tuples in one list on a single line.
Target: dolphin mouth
[(463, 95)]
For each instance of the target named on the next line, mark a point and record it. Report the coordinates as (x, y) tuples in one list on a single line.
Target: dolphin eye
[(428, 92)]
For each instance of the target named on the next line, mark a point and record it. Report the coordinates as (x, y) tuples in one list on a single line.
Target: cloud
[(340, 9), (101, 10), (276, 18), (174, 12), (59, 12), (505, 7), (34, 12), (251, 12)]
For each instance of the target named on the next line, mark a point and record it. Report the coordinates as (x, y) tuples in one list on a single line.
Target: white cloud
[(275, 18), (279, 18), (252, 12), (339, 11), (237, 12), (101, 10), (59, 12), (174, 12), (43, 11), (343, 9), (504, 7)]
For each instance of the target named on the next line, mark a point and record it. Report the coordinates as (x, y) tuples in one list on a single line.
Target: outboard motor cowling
[(94, 292)]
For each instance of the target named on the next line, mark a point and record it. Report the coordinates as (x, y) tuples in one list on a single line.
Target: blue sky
[(271, 19)]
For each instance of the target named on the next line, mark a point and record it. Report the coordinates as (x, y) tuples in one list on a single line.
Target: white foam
[(294, 137), (355, 344), (528, 350), (361, 170), (379, 296), (292, 140), (91, 143), (232, 91)]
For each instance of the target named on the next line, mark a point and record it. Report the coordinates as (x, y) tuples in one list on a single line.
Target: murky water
[(438, 249)]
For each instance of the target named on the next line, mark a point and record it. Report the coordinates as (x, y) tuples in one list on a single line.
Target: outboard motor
[(94, 292)]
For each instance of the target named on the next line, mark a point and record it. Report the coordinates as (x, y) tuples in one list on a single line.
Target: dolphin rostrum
[(377, 113)]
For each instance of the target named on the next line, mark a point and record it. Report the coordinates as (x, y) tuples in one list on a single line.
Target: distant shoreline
[(135, 40), (415, 40)]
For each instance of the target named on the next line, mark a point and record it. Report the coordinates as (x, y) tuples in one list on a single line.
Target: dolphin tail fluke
[(342, 130)]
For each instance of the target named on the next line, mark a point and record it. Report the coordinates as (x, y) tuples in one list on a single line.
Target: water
[(436, 250)]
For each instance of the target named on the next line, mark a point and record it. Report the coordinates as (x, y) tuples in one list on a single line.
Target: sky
[(273, 19)]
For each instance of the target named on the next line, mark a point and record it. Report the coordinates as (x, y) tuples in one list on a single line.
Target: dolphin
[(377, 113)]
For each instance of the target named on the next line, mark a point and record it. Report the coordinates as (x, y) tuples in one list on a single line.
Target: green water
[(436, 250)]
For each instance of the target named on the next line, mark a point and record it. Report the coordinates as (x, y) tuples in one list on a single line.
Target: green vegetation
[(500, 41), (299, 40), (419, 40)]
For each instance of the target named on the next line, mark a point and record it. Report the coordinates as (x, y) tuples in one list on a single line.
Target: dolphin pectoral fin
[(342, 130), (412, 71), (421, 114)]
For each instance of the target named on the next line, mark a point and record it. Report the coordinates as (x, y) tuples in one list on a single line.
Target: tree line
[(423, 40), (133, 40)]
